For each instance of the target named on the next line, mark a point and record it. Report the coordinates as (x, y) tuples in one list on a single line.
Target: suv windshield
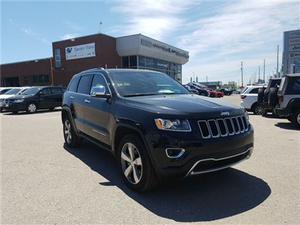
[(131, 83), (13, 91), (31, 91)]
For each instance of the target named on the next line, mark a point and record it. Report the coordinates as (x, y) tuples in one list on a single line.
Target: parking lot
[(44, 183)]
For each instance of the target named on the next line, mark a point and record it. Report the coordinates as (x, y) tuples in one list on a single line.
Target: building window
[(57, 58), (125, 62), (41, 79)]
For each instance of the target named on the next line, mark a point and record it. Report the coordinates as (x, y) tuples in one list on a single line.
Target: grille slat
[(222, 127)]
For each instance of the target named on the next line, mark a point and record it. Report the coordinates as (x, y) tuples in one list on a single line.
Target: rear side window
[(73, 84), (293, 87), (84, 85), (254, 91)]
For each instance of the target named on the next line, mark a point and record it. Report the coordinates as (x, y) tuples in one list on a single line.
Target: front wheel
[(31, 108), (136, 168)]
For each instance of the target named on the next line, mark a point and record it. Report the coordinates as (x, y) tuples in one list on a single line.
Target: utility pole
[(264, 70), (206, 78), (242, 74), (277, 65), (258, 74)]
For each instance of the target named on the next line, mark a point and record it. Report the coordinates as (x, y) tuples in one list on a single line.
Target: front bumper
[(11, 106), (200, 155)]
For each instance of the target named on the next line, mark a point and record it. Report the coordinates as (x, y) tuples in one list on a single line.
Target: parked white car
[(249, 99)]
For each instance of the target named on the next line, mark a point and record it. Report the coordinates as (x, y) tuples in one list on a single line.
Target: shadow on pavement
[(202, 198), (288, 126), (26, 113)]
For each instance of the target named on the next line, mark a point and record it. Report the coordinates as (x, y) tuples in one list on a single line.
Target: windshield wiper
[(140, 94)]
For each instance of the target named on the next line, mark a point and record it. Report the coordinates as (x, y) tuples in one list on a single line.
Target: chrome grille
[(222, 127)]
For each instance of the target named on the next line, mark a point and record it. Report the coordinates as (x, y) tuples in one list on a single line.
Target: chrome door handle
[(87, 101), (71, 97)]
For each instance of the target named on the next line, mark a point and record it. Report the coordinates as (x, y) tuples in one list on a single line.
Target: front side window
[(45, 91), (84, 85), (139, 83), (57, 90), (31, 91)]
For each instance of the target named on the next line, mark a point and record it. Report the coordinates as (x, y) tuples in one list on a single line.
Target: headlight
[(247, 116), (173, 125), (18, 100)]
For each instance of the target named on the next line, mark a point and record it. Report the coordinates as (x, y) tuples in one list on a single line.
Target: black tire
[(14, 112), (145, 172), (51, 109), (70, 136), (272, 98), (266, 95), (31, 107), (260, 95), (296, 118), (257, 109)]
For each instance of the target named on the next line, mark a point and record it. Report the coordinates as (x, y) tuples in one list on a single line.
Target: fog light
[(174, 153)]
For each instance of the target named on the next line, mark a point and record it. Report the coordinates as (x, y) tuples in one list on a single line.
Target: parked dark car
[(226, 91), (267, 97), (35, 98), (200, 89), (154, 127), (289, 98)]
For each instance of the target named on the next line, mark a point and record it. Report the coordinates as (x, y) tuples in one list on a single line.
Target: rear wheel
[(136, 168), (70, 136), (296, 118), (258, 109)]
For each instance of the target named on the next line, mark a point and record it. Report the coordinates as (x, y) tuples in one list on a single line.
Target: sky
[(218, 34)]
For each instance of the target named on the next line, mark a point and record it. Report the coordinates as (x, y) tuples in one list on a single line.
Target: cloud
[(243, 30), (29, 32), (69, 36), (157, 19)]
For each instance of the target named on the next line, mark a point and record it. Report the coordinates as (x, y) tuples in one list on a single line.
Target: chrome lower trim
[(219, 159), (182, 151), (98, 132)]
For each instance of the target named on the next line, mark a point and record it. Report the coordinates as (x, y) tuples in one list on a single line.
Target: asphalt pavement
[(42, 182)]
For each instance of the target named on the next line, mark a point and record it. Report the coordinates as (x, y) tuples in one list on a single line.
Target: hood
[(6, 96), (183, 104)]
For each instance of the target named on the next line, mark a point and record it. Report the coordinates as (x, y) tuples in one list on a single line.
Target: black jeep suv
[(153, 125)]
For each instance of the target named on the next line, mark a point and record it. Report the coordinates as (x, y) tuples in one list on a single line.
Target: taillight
[(280, 99), (243, 96)]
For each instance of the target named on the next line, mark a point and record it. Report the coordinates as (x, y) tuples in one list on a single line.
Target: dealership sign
[(80, 51)]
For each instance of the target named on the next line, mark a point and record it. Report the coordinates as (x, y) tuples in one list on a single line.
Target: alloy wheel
[(67, 131), (298, 118), (31, 108), (259, 110), (131, 162)]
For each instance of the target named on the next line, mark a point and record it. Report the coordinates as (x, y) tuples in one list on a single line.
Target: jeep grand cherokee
[(153, 126)]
